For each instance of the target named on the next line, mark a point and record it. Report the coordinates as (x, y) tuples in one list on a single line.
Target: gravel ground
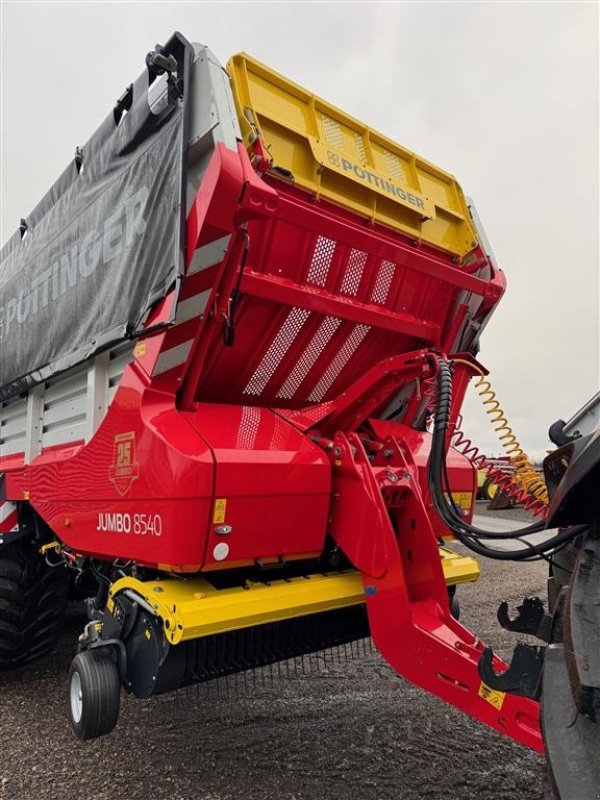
[(351, 730), (516, 513)]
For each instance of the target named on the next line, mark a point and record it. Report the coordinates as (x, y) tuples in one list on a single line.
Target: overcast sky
[(503, 95)]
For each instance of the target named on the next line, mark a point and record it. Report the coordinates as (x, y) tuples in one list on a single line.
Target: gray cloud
[(505, 96)]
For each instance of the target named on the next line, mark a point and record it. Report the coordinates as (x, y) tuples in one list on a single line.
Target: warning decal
[(492, 696), (220, 509)]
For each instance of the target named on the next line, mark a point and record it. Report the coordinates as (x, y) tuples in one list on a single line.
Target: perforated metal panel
[(354, 271), (279, 347), (393, 164), (360, 148), (356, 336), (333, 132), (307, 360), (321, 261), (334, 156), (383, 282), (358, 306)]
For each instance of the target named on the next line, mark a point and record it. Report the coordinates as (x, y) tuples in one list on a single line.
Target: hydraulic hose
[(471, 535)]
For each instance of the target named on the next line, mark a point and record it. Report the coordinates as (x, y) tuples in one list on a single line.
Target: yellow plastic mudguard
[(330, 154)]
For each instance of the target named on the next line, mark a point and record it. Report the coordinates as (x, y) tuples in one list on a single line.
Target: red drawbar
[(381, 522)]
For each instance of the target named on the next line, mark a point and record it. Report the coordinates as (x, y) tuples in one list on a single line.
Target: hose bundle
[(439, 488)]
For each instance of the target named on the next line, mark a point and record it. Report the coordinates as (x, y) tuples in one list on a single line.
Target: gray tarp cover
[(100, 248)]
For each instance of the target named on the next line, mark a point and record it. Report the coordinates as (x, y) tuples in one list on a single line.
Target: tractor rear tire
[(33, 600), (94, 693)]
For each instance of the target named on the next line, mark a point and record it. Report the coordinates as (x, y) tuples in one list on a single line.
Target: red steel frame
[(330, 466)]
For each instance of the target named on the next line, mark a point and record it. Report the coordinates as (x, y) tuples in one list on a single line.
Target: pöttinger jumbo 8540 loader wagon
[(236, 335)]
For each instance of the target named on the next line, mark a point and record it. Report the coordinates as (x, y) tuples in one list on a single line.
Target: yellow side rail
[(333, 155), (193, 607)]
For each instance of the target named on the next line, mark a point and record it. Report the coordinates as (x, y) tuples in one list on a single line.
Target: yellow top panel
[(333, 155)]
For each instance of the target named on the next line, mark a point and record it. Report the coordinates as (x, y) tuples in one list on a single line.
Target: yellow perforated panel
[(333, 155)]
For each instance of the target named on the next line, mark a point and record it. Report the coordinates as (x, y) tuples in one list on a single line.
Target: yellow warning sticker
[(139, 350), (492, 696), (462, 499), (220, 509)]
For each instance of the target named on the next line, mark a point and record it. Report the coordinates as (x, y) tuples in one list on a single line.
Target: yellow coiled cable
[(525, 475)]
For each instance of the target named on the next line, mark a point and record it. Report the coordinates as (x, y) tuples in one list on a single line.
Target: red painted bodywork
[(334, 319)]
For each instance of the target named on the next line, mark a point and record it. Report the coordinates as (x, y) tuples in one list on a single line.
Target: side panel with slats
[(65, 409)]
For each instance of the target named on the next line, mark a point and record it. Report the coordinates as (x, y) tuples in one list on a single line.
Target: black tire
[(94, 693), (455, 606), (489, 489), (33, 601), (454, 603)]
